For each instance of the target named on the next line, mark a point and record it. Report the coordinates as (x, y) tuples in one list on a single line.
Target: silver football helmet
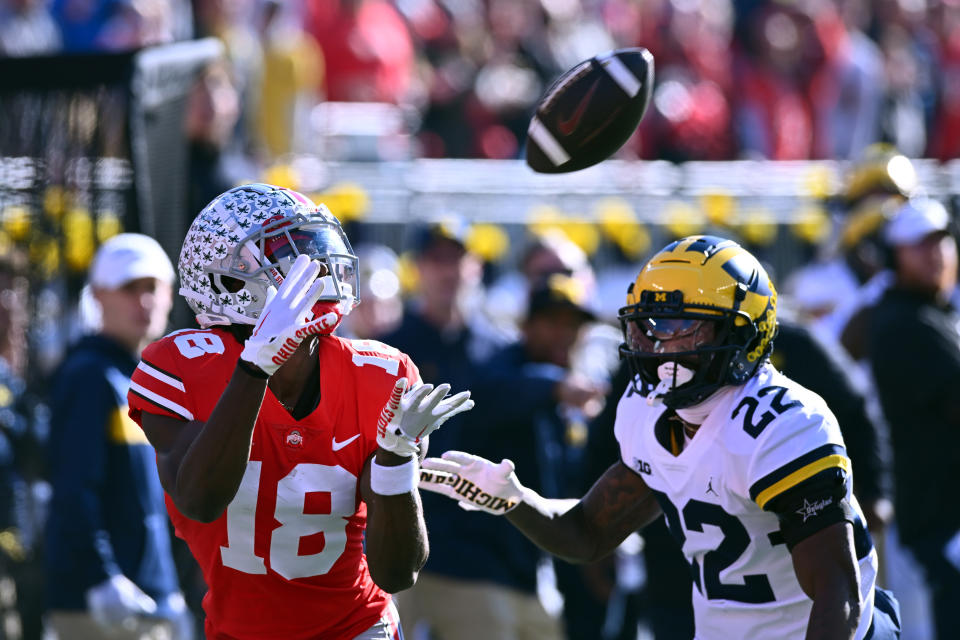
[(245, 241)]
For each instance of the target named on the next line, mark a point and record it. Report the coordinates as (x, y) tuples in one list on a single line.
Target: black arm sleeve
[(814, 504)]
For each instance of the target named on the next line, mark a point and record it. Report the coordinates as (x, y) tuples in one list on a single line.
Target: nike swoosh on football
[(568, 126), (340, 445)]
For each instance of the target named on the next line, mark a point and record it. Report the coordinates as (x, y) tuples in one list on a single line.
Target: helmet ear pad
[(739, 368), (756, 346)]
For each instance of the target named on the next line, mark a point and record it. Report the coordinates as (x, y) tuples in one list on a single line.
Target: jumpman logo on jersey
[(710, 488)]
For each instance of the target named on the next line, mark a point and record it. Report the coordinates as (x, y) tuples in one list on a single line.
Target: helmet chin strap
[(672, 375)]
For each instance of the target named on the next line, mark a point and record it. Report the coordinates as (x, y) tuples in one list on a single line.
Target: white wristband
[(393, 481)]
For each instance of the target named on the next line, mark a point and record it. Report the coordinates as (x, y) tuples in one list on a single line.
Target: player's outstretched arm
[(618, 504), (396, 534), (827, 569)]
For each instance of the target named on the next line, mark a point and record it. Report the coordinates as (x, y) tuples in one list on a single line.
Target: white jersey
[(763, 438)]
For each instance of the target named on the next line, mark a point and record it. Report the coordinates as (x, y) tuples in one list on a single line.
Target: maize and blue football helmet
[(689, 284)]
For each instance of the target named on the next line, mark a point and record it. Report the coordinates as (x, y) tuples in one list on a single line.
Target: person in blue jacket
[(496, 585), (441, 334), (109, 566)]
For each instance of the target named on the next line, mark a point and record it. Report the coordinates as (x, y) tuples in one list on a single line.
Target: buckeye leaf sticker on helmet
[(246, 240)]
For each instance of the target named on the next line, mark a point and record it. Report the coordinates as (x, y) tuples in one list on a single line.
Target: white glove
[(449, 407), (283, 322), (475, 482), (117, 601), (412, 414)]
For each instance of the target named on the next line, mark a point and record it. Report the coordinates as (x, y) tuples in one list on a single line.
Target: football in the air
[(590, 111)]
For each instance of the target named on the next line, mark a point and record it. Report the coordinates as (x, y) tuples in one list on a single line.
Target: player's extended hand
[(117, 601), (283, 322), (475, 482), (412, 414)]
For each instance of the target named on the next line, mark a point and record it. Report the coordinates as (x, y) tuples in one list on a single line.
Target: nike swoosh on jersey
[(568, 126), (340, 445)]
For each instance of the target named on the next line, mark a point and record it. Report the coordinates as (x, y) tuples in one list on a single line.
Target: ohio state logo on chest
[(294, 439)]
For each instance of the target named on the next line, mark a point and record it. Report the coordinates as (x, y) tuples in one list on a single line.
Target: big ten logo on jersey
[(377, 354), (193, 344), (642, 466)]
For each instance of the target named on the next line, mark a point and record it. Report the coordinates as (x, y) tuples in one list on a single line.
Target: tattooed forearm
[(618, 504)]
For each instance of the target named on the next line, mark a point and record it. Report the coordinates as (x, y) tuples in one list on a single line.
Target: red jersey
[(285, 560)]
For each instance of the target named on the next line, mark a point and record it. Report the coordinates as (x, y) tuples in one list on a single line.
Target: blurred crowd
[(783, 80)]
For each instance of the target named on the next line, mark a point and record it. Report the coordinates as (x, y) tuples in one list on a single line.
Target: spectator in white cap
[(919, 238), (914, 348), (913, 228), (129, 291), (109, 566)]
